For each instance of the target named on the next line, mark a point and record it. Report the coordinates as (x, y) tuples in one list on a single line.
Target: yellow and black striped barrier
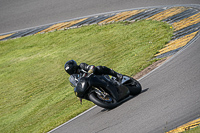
[(185, 20), (186, 127)]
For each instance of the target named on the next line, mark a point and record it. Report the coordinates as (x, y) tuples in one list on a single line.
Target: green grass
[(35, 94)]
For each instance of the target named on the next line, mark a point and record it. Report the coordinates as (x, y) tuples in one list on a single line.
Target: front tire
[(102, 103)]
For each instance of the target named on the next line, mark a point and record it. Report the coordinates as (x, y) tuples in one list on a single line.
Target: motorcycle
[(102, 90)]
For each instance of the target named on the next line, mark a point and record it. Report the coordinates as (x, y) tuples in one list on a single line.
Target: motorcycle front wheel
[(108, 102)]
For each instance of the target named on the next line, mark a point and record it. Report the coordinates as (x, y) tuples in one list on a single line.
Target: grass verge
[(34, 89)]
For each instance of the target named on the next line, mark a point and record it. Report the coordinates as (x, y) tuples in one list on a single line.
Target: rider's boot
[(104, 70), (117, 75)]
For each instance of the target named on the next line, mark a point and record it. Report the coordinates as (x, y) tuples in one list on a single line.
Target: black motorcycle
[(102, 90)]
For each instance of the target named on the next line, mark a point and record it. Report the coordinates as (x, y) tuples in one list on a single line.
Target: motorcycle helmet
[(71, 67)]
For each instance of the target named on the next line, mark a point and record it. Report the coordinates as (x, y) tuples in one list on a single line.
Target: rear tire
[(136, 88), (96, 100)]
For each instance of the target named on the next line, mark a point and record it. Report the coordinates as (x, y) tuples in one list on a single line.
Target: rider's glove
[(90, 71)]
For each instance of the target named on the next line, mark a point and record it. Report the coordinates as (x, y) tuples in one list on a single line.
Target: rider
[(71, 67)]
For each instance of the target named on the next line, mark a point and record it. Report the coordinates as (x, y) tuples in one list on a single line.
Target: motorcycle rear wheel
[(136, 88), (102, 103)]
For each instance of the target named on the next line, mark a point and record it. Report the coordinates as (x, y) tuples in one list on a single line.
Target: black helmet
[(71, 67)]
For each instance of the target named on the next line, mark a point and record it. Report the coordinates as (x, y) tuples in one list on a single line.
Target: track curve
[(170, 100), (20, 14), (172, 91)]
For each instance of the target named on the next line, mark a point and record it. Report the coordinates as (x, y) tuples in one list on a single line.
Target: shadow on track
[(125, 100)]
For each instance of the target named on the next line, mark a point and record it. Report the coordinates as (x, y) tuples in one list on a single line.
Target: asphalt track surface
[(171, 92)]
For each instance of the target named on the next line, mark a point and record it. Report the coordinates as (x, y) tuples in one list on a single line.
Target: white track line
[(73, 119)]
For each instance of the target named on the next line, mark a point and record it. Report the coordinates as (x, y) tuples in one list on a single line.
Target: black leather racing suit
[(99, 70)]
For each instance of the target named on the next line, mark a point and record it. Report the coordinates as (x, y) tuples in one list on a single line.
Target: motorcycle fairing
[(81, 88), (118, 91), (125, 79), (123, 91), (101, 81)]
